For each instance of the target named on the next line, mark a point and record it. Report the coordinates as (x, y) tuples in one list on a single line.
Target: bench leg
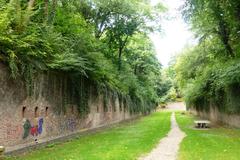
[(199, 125)]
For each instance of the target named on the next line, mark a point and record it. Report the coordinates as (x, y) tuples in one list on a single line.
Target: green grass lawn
[(214, 144), (123, 142)]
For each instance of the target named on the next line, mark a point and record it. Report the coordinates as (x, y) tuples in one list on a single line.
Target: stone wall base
[(217, 117)]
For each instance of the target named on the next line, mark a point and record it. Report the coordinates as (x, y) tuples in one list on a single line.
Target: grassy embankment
[(123, 142), (217, 143)]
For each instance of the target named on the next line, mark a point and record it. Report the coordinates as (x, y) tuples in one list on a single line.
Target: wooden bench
[(202, 123)]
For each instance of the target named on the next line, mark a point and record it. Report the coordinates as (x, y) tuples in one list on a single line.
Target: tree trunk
[(31, 4), (120, 58), (53, 11), (27, 15), (238, 15), (224, 34), (46, 4), (135, 69), (223, 28), (122, 44)]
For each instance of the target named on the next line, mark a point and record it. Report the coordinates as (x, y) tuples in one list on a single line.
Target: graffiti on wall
[(40, 126), (34, 129), (13, 131), (70, 124), (26, 127)]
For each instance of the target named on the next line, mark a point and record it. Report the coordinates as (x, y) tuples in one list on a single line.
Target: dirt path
[(177, 106), (168, 147)]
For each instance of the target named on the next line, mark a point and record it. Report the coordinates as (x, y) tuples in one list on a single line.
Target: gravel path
[(168, 147), (177, 106)]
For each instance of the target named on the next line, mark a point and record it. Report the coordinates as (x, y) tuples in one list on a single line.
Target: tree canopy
[(208, 72), (104, 40)]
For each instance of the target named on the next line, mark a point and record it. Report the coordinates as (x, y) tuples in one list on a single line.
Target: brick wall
[(28, 120)]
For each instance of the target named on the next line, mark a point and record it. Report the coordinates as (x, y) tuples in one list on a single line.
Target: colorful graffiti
[(40, 126), (26, 127), (34, 130)]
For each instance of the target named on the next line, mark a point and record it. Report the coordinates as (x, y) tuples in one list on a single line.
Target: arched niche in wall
[(36, 112), (24, 108), (46, 111)]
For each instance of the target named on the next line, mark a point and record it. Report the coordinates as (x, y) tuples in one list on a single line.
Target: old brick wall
[(26, 120)]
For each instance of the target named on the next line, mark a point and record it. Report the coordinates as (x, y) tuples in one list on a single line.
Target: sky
[(175, 32)]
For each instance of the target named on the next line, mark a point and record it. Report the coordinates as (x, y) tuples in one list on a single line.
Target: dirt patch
[(178, 106)]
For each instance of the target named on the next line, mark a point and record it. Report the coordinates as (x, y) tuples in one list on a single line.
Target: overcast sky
[(175, 32)]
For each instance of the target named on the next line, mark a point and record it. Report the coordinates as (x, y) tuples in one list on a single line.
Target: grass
[(219, 143), (123, 142)]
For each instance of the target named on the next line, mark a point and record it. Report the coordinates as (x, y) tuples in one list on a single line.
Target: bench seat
[(202, 123)]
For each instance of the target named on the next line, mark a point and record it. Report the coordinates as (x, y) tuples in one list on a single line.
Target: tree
[(94, 39), (115, 22), (207, 73), (211, 18)]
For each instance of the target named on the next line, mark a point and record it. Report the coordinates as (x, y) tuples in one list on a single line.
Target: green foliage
[(209, 82), (169, 92), (208, 73), (100, 40)]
